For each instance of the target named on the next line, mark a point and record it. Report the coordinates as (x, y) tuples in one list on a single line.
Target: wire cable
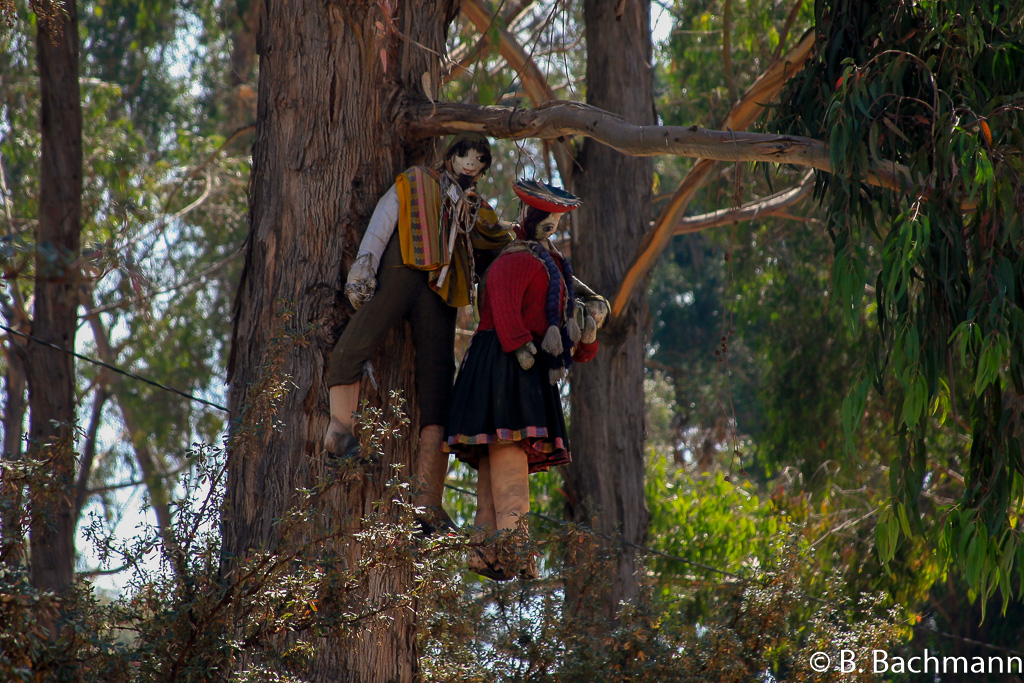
[(114, 368)]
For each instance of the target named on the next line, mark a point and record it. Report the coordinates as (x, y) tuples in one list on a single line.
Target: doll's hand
[(362, 280), (585, 322), (525, 355), (472, 197), (599, 309), (589, 327)]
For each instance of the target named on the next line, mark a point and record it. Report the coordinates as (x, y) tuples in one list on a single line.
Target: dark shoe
[(348, 450), (435, 521), (338, 438)]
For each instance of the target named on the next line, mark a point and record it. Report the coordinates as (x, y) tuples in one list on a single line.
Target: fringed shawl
[(426, 219)]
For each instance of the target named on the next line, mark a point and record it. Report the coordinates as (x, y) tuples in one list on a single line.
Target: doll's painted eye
[(547, 227)]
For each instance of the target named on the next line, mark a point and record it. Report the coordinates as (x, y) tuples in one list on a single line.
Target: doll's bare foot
[(483, 559), (514, 552), (430, 468), (341, 445), (528, 567)]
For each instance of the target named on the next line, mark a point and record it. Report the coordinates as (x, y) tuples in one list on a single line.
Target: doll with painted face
[(506, 418), (427, 238)]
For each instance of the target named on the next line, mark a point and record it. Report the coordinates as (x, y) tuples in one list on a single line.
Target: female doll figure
[(506, 417)]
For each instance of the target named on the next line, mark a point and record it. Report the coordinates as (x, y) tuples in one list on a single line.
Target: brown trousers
[(403, 293)]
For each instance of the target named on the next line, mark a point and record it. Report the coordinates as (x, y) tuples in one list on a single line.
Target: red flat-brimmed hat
[(545, 197)]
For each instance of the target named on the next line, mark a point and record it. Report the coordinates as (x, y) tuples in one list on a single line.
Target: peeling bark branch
[(766, 206), (741, 115), (784, 34), (464, 54), (559, 119)]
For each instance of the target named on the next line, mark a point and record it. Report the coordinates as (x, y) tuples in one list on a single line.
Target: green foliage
[(928, 85), (807, 444), (729, 305), (762, 626), (215, 618), (709, 520), (261, 617), (694, 81)]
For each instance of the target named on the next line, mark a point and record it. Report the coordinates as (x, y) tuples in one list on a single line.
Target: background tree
[(605, 487), (153, 209), (50, 371), (891, 84)]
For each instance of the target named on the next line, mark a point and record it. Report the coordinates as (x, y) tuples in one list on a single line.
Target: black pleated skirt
[(496, 401)]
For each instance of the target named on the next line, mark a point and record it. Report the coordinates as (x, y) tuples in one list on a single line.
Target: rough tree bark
[(605, 484), (50, 371), (327, 147), (12, 537)]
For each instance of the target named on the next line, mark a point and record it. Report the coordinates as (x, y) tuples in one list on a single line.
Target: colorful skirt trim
[(496, 401)]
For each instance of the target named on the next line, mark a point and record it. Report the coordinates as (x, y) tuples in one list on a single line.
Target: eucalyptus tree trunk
[(50, 371), (605, 483), (328, 145), (12, 500)]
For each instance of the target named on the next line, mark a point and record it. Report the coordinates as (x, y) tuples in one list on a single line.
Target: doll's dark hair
[(466, 142)]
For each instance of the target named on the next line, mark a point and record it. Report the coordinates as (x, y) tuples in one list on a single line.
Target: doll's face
[(469, 164), (547, 226)]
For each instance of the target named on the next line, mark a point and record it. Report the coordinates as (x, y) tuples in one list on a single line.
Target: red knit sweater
[(514, 299)]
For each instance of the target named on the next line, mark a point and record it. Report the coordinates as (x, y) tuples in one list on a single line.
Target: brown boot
[(429, 472)]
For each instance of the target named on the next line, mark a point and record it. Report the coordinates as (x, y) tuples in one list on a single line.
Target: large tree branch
[(556, 119), (535, 83), (465, 53), (559, 119), (765, 89), (766, 206)]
